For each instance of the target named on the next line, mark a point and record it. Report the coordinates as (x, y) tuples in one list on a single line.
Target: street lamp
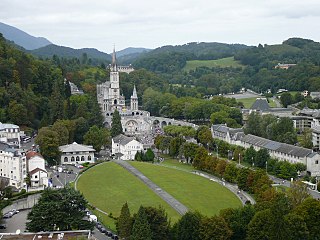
[(252, 161), (239, 158), (266, 166), (217, 150)]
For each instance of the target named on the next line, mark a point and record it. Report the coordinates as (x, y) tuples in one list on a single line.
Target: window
[(77, 159), (89, 158), (317, 162), (72, 159), (82, 158), (36, 176), (66, 159)]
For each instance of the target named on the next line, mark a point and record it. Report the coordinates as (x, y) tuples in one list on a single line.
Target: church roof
[(134, 93), (261, 104), (122, 139), (75, 147), (114, 61)]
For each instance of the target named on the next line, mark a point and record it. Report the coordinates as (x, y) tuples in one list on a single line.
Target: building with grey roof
[(280, 151), (261, 104), (76, 153), (125, 148), (10, 133)]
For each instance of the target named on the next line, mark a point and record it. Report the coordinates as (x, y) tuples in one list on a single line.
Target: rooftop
[(75, 147)]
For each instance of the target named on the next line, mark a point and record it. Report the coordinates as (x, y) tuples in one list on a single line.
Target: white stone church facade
[(134, 121)]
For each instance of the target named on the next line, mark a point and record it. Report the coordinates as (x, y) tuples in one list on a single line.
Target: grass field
[(195, 192), (222, 62), (247, 102), (175, 164), (108, 186)]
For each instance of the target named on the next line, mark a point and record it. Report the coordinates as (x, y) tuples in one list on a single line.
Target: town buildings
[(10, 133), (36, 169), (76, 154), (13, 166), (280, 151), (125, 148)]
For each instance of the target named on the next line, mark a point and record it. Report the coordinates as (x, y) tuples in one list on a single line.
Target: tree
[(62, 209), (309, 210), (260, 226), (18, 113), (286, 99), (297, 193), (97, 137), (238, 220), (296, 227), (231, 173), (214, 228), (175, 145), (116, 126), (141, 228), (149, 155), (261, 158), (204, 135), (306, 140), (188, 227), (124, 222), (250, 155), (62, 131), (159, 224), (48, 141)]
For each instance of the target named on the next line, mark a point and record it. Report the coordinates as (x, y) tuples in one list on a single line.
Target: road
[(17, 221), (174, 203), (313, 193)]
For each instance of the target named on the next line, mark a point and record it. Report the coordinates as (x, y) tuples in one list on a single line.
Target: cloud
[(150, 23)]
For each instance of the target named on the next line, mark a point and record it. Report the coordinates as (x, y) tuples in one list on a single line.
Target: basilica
[(134, 121)]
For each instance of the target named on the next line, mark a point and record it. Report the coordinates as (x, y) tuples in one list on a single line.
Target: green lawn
[(247, 102), (195, 192), (222, 62), (108, 186), (173, 163)]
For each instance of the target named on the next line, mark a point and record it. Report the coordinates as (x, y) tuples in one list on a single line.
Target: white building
[(13, 166), (125, 148), (36, 169), (109, 98), (280, 151), (10, 133), (76, 154)]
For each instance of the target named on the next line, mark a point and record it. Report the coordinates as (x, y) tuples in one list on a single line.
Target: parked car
[(115, 237), (103, 230), (8, 215), (3, 226), (14, 211)]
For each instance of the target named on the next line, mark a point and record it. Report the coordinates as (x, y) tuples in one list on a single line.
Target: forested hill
[(34, 93), (169, 59), (293, 50), (67, 52)]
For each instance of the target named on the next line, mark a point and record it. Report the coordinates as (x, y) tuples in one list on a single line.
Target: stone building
[(134, 121)]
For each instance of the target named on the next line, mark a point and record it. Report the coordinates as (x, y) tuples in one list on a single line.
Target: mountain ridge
[(22, 38)]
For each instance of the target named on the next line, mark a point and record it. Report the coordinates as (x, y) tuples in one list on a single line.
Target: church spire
[(134, 93), (114, 60)]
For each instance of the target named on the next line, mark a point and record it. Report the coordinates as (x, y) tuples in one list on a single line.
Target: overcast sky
[(150, 24)]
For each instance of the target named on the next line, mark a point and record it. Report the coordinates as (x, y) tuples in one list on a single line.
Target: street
[(17, 221)]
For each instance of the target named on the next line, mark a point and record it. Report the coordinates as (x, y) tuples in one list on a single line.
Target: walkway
[(175, 204)]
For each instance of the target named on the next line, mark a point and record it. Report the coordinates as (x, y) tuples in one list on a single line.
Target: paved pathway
[(175, 204)]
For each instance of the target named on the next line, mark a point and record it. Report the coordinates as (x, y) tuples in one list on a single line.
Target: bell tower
[(134, 99)]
